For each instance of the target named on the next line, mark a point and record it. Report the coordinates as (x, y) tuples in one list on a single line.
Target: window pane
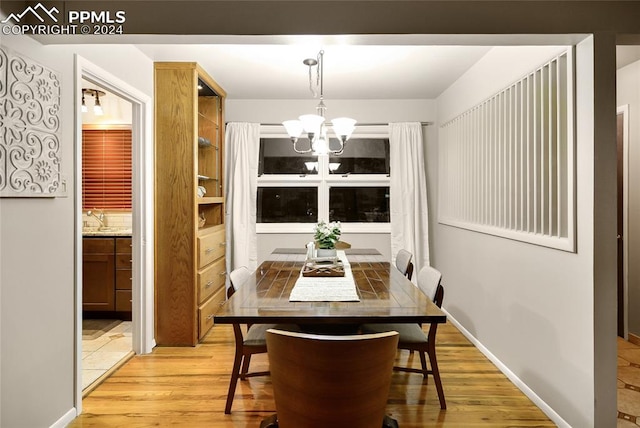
[(361, 156), (287, 205), (278, 157), (359, 204)]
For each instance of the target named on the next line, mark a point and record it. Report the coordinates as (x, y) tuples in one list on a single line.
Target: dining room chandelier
[(314, 125)]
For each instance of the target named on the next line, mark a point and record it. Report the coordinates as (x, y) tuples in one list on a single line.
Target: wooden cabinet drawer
[(123, 261), (210, 279), (123, 300), (123, 245), (97, 246), (123, 279), (211, 247), (207, 310)]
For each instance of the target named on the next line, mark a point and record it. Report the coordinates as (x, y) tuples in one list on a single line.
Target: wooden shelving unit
[(189, 257)]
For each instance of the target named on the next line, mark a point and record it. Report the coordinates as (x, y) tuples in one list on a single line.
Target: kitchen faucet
[(99, 217)]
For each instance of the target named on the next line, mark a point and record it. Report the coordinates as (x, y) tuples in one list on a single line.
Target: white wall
[(530, 306), (37, 307), (628, 92), (364, 111)]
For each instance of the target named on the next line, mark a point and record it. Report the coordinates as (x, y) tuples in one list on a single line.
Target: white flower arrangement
[(327, 235)]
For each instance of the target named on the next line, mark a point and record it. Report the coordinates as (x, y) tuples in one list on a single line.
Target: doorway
[(622, 149), (106, 234), (141, 209)]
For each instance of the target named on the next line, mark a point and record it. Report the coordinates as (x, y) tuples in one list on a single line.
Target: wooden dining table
[(386, 296)]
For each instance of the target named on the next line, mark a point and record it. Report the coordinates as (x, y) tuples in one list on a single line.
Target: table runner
[(326, 289)]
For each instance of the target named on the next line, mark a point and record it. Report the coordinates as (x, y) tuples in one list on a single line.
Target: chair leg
[(436, 377), (233, 382), (423, 362), (389, 422), (270, 422), (245, 366)]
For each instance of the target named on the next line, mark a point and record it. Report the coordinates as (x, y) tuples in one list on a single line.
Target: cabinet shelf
[(210, 200)]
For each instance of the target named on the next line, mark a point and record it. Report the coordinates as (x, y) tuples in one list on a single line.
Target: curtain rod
[(357, 124)]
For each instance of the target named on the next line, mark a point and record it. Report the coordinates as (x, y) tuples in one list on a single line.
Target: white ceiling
[(276, 71)]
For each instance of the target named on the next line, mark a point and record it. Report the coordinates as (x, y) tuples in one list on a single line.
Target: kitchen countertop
[(105, 233)]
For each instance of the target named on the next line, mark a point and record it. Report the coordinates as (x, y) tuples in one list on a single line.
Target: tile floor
[(99, 355), (628, 384)]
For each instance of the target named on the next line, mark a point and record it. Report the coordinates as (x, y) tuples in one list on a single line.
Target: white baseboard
[(65, 419), (546, 409)]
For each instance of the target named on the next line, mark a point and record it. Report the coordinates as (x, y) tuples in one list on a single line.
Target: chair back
[(330, 381), (429, 282), (403, 262), (237, 277)]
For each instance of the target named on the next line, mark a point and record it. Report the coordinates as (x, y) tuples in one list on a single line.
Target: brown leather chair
[(412, 336), (330, 381), (404, 264)]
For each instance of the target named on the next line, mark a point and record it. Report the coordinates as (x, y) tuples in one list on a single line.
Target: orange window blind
[(106, 169)]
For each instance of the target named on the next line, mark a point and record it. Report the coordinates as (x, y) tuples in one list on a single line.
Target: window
[(296, 190), (278, 157), (359, 204), (362, 156), (287, 205), (106, 169)]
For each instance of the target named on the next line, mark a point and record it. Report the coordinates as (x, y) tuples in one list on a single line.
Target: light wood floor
[(187, 387)]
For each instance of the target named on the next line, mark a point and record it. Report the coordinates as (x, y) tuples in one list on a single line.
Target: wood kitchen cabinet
[(190, 239), (124, 276), (106, 276), (98, 274)]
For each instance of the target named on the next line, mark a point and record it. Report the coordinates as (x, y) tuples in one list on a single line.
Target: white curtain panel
[(242, 144), (408, 200)]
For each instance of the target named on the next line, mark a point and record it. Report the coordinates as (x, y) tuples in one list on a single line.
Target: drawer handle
[(222, 244), (223, 273), (208, 250), (208, 284), (130, 261), (210, 317)]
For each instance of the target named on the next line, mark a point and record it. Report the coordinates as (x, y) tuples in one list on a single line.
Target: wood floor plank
[(187, 387)]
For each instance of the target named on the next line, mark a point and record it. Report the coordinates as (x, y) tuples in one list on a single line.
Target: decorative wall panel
[(507, 165), (29, 127)]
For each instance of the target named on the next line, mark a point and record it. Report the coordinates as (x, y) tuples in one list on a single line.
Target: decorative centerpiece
[(326, 236)]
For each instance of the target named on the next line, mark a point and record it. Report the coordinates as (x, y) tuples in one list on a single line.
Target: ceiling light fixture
[(314, 124), (97, 107)]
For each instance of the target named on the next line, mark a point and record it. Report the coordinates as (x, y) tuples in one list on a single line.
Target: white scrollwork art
[(29, 127)]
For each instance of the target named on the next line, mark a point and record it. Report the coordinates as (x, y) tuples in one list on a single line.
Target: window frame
[(324, 180)]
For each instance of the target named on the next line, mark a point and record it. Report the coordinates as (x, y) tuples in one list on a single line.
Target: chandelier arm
[(295, 149), (338, 152)]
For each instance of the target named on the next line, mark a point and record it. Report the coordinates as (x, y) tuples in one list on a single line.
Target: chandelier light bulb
[(343, 127), (294, 128), (311, 123)]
